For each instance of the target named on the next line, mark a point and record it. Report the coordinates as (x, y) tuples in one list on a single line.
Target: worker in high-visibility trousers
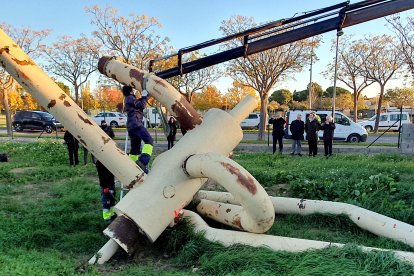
[(135, 111)]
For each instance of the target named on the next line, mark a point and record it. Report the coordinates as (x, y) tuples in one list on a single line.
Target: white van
[(386, 120), (345, 128), (152, 117), (251, 121)]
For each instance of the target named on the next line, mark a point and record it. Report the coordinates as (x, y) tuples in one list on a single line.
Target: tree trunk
[(5, 100), (379, 108), (263, 116), (76, 94), (355, 106)]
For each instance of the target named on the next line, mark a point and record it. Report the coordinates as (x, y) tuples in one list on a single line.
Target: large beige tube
[(257, 214), (277, 243), (373, 222), (50, 96), (152, 206), (157, 87)]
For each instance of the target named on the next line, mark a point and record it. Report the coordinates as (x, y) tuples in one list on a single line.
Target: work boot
[(142, 166)]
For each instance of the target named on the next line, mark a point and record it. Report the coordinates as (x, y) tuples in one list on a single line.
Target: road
[(248, 136)]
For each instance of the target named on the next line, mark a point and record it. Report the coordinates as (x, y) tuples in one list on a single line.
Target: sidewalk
[(161, 146)]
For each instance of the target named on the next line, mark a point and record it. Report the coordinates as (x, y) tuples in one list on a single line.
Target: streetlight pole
[(338, 34), (310, 79)]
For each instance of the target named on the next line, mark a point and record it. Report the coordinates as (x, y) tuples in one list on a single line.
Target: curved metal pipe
[(256, 215), (277, 243), (373, 222)]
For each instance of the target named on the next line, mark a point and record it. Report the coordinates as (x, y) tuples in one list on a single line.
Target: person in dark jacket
[(73, 147), (172, 132), (278, 131), (312, 127), (297, 128), (136, 130), (107, 183), (328, 134)]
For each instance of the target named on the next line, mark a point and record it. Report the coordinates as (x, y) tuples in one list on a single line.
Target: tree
[(64, 87), (400, 96), (300, 96), (87, 99), (352, 56), (132, 38), (74, 60), (237, 93), (31, 43), (382, 63), (108, 98), (339, 91), (263, 70), (282, 96), (344, 101), (404, 31), (210, 97)]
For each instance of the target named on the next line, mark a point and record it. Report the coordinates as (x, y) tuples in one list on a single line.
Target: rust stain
[(245, 181), (51, 104), (228, 210), (105, 140), (359, 218), (216, 212), (161, 82), (23, 62), (135, 74), (302, 204), (236, 222), (138, 179), (4, 49), (85, 120), (113, 76), (226, 220), (126, 231), (101, 64), (186, 114), (66, 103), (395, 226), (62, 96), (82, 142), (22, 74)]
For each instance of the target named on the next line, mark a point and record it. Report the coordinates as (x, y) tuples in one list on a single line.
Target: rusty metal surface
[(125, 232)]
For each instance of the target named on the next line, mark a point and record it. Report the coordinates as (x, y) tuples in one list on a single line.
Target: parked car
[(346, 129), (252, 121), (114, 119), (152, 117), (386, 120), (35, 120)]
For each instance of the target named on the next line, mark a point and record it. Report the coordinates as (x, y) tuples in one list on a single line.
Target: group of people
[(298, 128), (134, 108)]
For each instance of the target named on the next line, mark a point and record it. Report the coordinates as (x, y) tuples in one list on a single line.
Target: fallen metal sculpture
[(176, 176)]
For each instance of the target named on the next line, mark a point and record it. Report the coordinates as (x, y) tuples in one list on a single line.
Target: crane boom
[(285, 31)]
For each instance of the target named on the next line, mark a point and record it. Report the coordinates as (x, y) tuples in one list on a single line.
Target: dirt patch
[(22, 170), (278, 190)]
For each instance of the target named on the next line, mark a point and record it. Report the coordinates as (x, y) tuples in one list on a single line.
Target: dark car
[(35, 120)]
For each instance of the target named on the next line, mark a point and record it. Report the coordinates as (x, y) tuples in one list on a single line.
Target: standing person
[(85, 156), (312, 127), (278, 131), (73, 146), (328, 134), (297, 127), (107, 183), (172, 132), (136, 130)]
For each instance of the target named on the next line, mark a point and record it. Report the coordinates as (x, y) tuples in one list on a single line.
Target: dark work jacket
[(70, 140), (173, 131), (328, 131), (312, 129), (108, 130), (297, 127), (135, 111), (278, 126)]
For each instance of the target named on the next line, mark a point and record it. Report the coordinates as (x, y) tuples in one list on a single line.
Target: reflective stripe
[(147, 149), (134, 157), (106, 214)]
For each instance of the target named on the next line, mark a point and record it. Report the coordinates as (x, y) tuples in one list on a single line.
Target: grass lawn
[(50, 221)]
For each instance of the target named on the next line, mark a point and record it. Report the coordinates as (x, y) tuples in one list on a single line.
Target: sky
[(187, 22)]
